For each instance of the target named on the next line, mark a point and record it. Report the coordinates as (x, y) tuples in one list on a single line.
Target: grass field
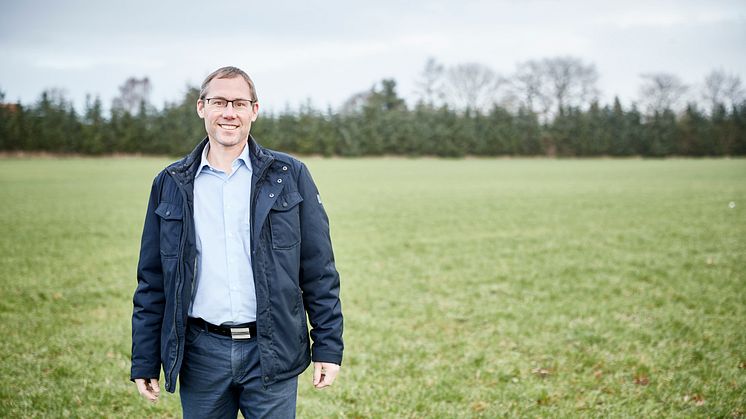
[(471, 288)]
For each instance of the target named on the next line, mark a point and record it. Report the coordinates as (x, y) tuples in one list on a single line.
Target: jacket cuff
[(145, 373), (324, 356)]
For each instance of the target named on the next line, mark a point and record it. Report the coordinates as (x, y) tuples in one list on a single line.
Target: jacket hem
[(290, 374)]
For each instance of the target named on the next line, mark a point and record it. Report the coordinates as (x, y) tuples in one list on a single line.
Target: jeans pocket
[(193, 335)]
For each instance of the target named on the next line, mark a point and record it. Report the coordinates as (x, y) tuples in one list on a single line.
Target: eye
[(241, 104), (220, 103)]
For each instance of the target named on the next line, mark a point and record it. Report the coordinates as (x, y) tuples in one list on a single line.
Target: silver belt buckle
[(240, 333)]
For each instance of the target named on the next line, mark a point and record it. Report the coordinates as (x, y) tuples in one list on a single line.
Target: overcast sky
[(329, 50)]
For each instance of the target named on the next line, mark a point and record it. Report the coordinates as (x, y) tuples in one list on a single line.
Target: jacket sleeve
[(319, 279), (149, 299)]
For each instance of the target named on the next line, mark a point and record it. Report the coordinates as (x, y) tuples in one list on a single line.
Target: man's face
[(230, 125)]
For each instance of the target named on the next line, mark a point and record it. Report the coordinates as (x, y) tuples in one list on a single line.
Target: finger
[(144, 392), (141, 386), (155, 388), (328, 377), (327, 380), (328, 372), (144, 388), (316, 373)]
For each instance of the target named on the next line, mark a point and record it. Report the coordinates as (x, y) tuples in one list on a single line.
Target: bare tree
[(527, 85), (430, 85), (721, 88), (132, 94), (661, 91), (570, 82), (355, 103), (472, 86), (551, 84)]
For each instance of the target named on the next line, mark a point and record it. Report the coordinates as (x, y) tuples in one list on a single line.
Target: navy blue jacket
[(292, 260)]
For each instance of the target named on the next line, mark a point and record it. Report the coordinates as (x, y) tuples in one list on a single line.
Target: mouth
[(228, 127)]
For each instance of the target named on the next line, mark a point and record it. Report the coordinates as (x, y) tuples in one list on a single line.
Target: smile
[(228, 127)]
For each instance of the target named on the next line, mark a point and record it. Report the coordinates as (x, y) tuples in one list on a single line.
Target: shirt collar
[(203, 162), (244, 157)]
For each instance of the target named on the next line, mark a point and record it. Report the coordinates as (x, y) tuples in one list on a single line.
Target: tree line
[(547, 107)]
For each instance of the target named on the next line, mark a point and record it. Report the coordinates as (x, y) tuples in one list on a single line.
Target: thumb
[(316, 373)]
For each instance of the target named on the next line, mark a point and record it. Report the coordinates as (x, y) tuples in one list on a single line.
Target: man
[(235, 251)]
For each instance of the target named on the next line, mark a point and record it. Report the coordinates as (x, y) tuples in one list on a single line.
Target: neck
[(222, 157)]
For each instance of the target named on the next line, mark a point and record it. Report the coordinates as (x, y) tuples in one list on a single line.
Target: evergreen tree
[(694, 134), (634, 129), (738, 127), (660, 138), (51, 123), (378, 122), (6, 114), (498, 133), (621, 141), (595, 135), (177, 128), (529, 132), (721, 130)]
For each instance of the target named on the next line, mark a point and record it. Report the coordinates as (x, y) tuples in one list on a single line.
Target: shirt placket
[(232, 244)]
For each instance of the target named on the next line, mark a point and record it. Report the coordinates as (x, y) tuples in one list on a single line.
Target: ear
[(255, 111), (201, 108)]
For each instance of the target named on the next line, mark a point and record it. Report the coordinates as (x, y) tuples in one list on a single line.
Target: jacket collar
[(259, 156), (185, 169)]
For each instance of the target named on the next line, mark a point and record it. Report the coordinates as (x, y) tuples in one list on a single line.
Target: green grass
[(471, 288)]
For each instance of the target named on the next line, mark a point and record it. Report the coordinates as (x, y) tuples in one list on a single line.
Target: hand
[(324, 374), (148, 388)]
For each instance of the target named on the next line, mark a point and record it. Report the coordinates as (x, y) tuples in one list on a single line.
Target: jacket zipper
[(253, 205)]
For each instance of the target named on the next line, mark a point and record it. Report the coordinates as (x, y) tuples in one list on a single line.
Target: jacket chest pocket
[(284, 221), (171, 218)]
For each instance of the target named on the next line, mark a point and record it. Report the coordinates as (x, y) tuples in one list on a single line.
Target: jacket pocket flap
[(287, 201), (169, 211)]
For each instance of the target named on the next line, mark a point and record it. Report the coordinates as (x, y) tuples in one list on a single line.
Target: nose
[(229, 111)]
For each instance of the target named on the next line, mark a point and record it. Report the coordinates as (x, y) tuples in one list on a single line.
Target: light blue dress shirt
[(223, 292)]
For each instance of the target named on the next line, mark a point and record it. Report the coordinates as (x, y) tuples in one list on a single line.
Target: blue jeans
[(220, 375)]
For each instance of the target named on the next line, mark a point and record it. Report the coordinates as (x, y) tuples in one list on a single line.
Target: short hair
[(228, 73)]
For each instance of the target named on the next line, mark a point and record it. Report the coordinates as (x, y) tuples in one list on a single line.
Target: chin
[(229, 141)]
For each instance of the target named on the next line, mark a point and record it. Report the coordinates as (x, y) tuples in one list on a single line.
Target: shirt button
[(271, 195), (168, 213), (284, 168), (279, 180), (284, 204)]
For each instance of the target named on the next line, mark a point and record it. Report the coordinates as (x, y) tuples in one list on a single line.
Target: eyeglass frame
[(208, 99)]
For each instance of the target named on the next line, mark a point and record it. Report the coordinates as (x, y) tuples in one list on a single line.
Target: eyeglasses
[(239, 105)]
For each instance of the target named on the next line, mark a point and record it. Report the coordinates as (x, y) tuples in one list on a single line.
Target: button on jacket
[(292, 263)]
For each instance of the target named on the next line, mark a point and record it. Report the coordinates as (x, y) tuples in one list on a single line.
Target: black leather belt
[(237, 332)]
